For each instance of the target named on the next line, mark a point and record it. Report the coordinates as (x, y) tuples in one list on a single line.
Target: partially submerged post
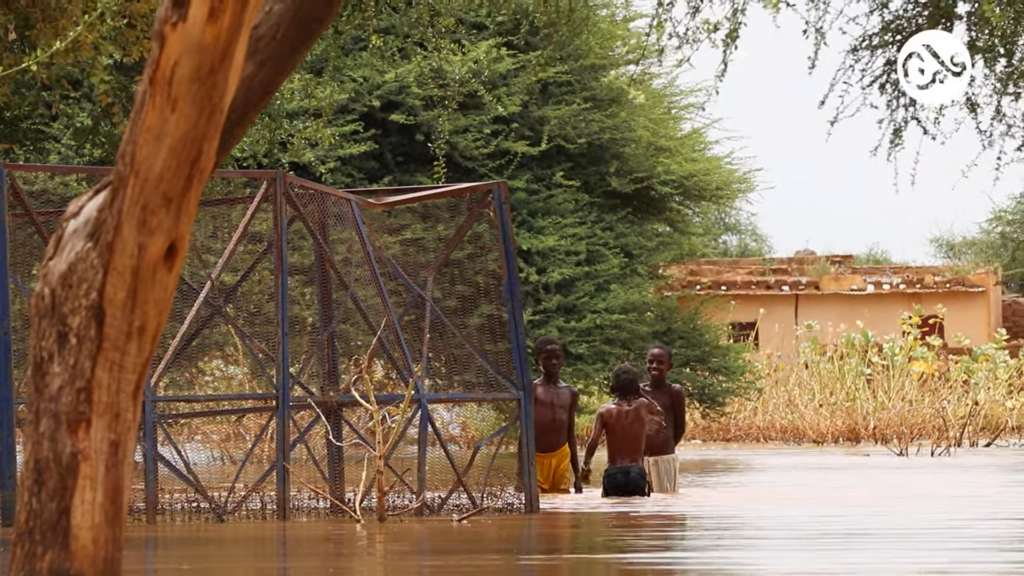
[(8, 454)]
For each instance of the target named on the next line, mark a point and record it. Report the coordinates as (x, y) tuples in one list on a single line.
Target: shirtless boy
[(625, 421), (660, 460), (554, 421)]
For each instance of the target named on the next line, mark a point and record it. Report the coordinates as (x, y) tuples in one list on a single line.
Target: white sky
[(830, 194)]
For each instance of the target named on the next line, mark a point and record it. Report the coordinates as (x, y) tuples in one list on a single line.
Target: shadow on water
[(739, 511)]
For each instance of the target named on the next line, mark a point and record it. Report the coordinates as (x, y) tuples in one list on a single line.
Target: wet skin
[(672, 401), (625, 424), (554, 410)]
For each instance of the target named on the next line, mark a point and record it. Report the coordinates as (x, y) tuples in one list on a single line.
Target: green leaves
[(70, 71), (865, 78), (997, 241), (611, 165)]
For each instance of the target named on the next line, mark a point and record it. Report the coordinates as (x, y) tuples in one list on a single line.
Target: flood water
[(740, 510)]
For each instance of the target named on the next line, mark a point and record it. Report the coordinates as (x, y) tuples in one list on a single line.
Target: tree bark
[(106, 287), (109, 273), (282, 36)]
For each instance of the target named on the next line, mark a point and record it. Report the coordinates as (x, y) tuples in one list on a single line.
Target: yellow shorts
[(553, 471)]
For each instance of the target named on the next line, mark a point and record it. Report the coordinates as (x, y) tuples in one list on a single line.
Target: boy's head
[(659, 362), (625, 382), (547, 351)]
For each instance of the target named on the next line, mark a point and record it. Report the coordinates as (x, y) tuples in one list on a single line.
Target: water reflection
[(740, 510)]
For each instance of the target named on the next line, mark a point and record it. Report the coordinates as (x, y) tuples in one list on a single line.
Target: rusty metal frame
[(287, 195)]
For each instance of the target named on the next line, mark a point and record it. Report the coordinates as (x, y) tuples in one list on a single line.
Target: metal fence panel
[(295, 302)]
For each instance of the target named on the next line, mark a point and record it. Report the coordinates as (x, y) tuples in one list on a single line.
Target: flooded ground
[(740, 510)]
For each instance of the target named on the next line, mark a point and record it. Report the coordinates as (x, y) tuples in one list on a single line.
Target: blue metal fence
[(8, 454), (287, 285)]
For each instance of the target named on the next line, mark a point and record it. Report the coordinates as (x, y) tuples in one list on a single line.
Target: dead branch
[(415, 505), (356, 517), (468, 515), (330, 436)]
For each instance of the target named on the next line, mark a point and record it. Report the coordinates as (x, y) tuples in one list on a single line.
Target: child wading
[(625, 421), (554, 421), (660, 460)]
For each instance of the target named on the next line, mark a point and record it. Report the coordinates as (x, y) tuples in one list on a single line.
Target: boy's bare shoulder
[(645, 402), (563, 386)]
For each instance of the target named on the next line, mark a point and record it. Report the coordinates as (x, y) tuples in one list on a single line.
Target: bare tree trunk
[(109, 274)]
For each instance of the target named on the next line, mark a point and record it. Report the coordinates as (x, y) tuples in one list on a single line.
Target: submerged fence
[(253, 408)]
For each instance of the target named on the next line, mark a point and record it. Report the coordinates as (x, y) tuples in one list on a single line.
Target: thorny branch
[(380, 418)]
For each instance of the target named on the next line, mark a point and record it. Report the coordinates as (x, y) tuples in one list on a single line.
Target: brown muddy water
[(740, 510)]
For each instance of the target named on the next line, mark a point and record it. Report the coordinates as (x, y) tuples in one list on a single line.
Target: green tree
[(68, 72), (612, 172), (866, 76), (875, 255), (611, 165), (996, 242)]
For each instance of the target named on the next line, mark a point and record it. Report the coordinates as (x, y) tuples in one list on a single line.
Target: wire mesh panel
[(326, 349), (389, 305), (213, 380)]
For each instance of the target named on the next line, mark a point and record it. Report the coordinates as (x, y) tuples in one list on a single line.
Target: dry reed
[(898, 391)]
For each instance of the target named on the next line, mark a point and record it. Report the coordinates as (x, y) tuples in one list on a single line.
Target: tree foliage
[(68, 72), (611, 165), (997, 241), (612, 172), (875, 255), (866, 76)]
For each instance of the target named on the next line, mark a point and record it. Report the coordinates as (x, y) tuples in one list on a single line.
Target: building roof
[(830, 274)]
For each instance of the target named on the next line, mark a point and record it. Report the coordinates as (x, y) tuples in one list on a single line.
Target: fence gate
[(296, 302)]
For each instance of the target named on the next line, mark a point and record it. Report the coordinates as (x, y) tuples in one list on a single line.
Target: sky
[(828, 193)]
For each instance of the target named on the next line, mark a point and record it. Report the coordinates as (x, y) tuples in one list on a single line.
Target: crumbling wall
[(1013, 317)]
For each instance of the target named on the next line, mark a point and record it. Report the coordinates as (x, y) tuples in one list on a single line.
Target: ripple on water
[(740, 510)]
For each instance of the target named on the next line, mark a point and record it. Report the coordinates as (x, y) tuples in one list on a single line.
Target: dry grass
[(900, 391)]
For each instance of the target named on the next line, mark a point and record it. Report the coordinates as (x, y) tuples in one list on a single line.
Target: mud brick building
[(767, 300)]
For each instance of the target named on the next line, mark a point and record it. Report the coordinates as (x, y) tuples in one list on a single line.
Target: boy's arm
[(573, 449), (679, 412), (595, 439), (657, 415)]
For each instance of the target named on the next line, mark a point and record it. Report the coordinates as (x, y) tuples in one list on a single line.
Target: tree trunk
[(282, 36), (109, 274), (106, 286)]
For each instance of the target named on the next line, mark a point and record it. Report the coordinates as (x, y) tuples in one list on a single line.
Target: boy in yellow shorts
[(554, 421)]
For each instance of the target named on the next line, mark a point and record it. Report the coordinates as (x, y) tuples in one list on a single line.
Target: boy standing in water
[(554, 421), (660, 460), (625, 421)]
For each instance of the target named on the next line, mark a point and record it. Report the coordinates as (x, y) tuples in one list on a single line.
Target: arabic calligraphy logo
[(934, 68)]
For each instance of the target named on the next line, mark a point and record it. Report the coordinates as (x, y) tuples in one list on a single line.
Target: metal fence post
[(8, 443), (330, 383), (149, 451), (520, 356), (283, 383)]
